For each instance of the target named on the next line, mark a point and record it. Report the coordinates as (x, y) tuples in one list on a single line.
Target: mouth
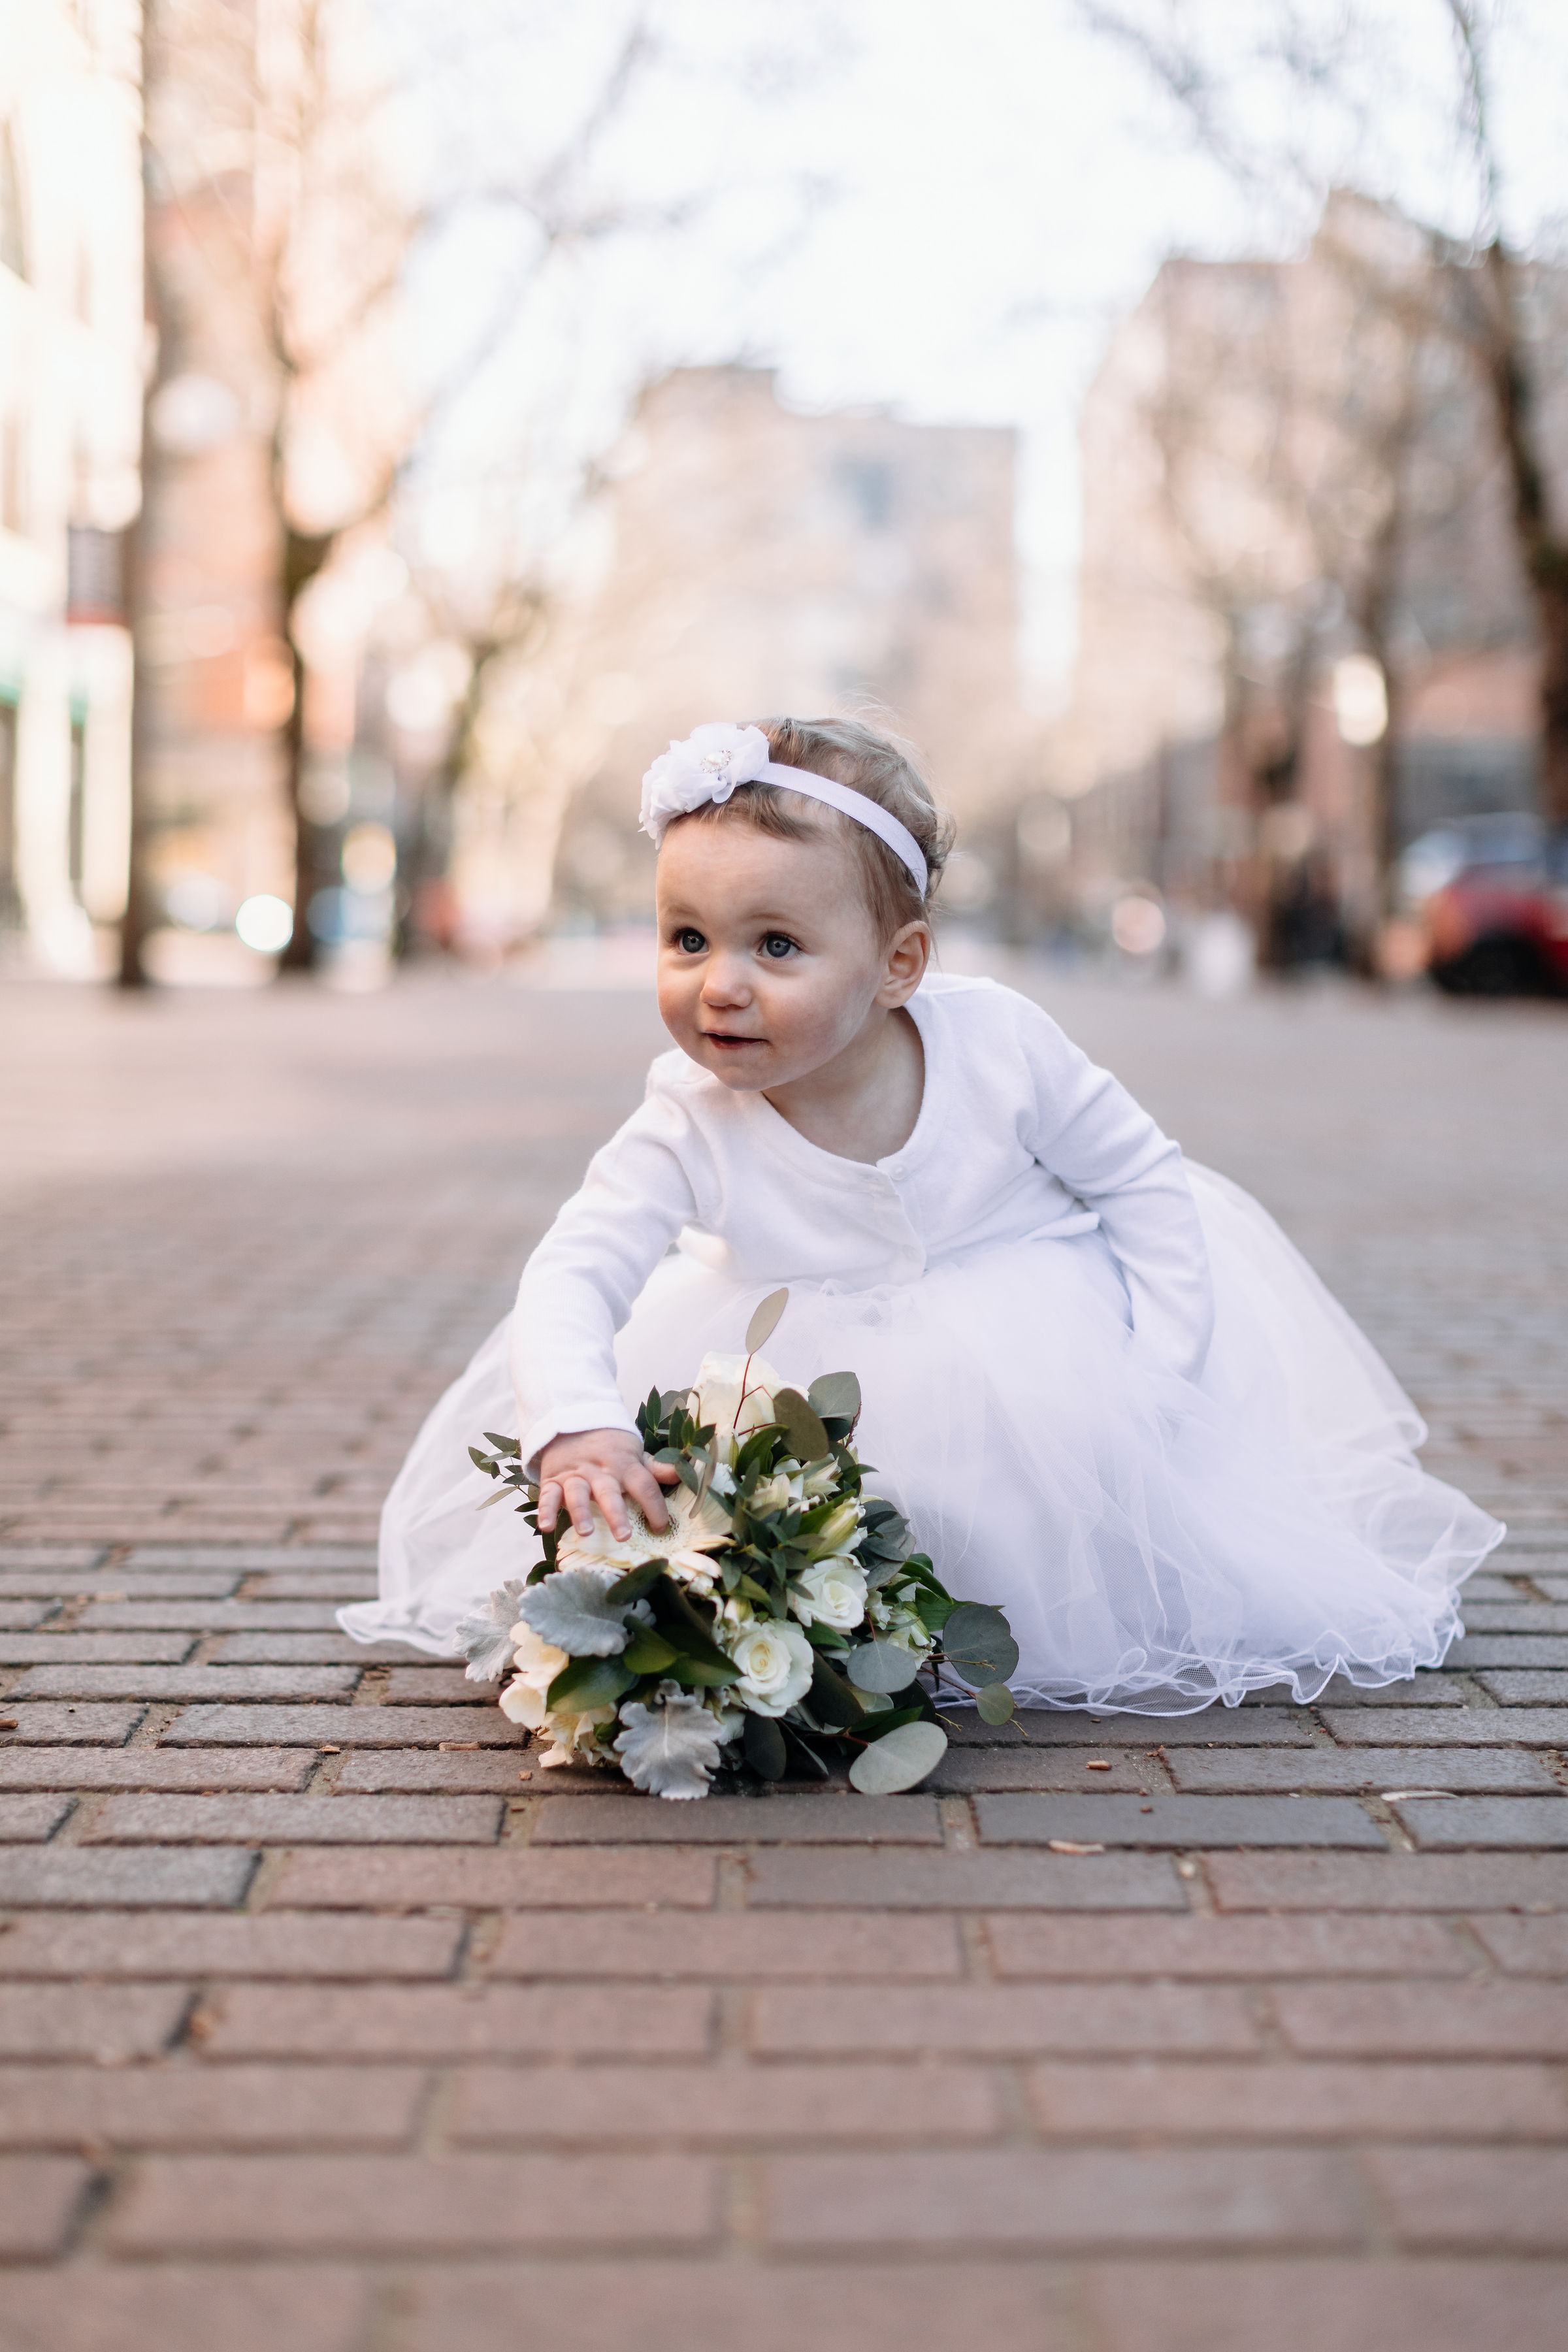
[(728, 1043)]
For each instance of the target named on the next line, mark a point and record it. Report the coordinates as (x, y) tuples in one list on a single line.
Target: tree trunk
[(140, 915), (1551, 604), (315, 862), (1544, 550)]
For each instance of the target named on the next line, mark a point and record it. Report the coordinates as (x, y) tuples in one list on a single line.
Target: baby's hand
[(604, 1466)]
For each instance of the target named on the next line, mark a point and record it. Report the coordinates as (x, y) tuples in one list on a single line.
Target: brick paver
[(328, 2020)]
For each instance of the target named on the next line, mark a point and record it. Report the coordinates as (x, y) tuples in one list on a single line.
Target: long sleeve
[(579, 1286), (1088, 1130)]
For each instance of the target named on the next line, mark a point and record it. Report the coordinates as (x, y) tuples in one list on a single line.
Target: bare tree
[(1477, 289), (278, 224), (1490, 284)]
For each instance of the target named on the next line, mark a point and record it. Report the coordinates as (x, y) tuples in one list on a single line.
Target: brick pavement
[(329, 2022)]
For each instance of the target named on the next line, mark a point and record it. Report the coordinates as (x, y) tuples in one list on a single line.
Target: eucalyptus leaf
[(978, 1645), (764, 1745), (836, 1396), (765, 1321), (809, 1441), (901, 1759), (503, 1444), (995, 1703), (879, 1666)]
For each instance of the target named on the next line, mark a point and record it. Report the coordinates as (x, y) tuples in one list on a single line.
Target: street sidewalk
[(331, 2023)]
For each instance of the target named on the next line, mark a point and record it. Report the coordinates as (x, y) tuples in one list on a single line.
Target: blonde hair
[(880, 767)]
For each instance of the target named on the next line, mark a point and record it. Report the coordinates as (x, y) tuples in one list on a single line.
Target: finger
[(576, 1492), (645, 1493), (611, 1501), (665, 1472), (549, 1505)]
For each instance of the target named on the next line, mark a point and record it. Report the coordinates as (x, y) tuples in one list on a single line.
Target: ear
[(906, 955)]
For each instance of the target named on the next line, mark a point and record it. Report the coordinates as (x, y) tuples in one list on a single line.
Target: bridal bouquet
[(780, 1620)]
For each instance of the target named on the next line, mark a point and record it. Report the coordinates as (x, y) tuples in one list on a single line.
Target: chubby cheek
[(807, 1024), (678, 992)]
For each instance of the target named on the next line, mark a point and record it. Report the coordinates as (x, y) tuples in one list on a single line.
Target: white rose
[(775, 1662), (831, 1593), (572, 1735), (719, 1399), (538, 1664)]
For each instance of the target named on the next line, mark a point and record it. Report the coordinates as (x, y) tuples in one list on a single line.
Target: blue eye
[(689, 942), (776, 946)]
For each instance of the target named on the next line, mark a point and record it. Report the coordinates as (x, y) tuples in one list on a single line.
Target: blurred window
[(868, 486), (10, 902), (12, 233)]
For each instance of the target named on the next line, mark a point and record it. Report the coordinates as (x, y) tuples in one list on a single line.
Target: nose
[(724, 982)]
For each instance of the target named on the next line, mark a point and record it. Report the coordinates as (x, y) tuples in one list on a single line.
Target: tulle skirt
[(1156, 1543)]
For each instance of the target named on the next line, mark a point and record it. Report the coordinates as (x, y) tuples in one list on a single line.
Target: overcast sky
[(937, 206)]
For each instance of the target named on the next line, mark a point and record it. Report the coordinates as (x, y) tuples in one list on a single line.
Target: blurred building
[(71, 392), (1295, 517), (754, 559)]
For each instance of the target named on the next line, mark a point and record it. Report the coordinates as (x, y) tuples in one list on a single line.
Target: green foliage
[(589, 1681), (978, 1645), (766, 1752), (870, 1699), (809, 1441), (900, 1759), (647, 1653)]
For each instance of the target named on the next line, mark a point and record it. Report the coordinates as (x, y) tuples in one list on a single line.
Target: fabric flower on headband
[(707, 767)]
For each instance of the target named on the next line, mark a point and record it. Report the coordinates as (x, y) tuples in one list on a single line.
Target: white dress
[(1105, 1389)]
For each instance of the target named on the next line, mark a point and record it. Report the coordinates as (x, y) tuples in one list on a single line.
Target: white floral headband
[(715, 758)]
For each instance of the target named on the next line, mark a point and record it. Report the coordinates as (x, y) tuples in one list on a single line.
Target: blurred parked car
[(1491, 894)]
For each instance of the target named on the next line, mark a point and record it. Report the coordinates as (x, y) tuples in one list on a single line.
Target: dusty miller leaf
[(669, 1751), (571, 1610), (485, 1636)]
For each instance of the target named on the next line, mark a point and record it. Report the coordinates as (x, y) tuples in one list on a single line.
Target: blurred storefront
[(70, 363), (749, 559)]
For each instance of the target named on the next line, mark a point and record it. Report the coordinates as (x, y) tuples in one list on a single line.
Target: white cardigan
[(1019, 1137)]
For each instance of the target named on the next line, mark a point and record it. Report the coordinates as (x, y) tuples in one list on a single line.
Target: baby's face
[(769, 964)]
